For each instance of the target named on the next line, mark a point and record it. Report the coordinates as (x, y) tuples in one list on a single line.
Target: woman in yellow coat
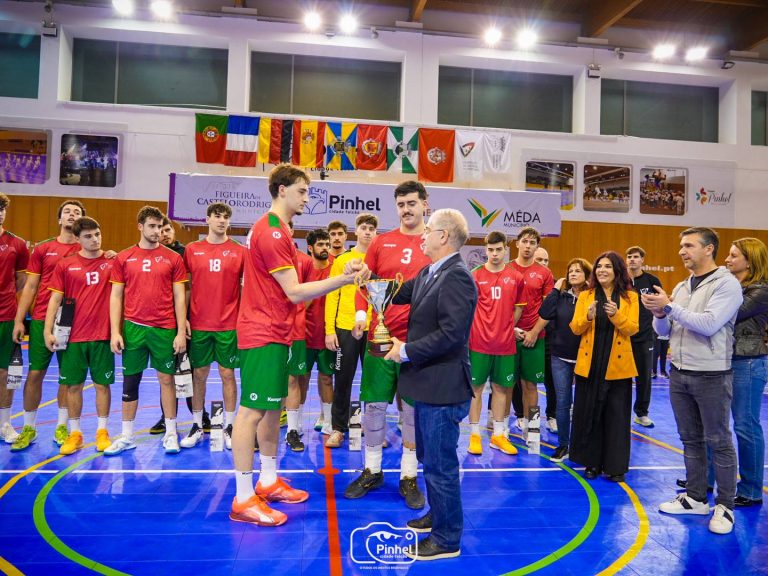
[(606, 316)]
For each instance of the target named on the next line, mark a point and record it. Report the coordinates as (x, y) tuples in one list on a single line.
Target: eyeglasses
[(428, 230)]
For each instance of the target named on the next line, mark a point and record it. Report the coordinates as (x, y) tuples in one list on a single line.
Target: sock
[(74, 424), (327, 413), (197, 418), (505, 421), (268, 474), (103, 423), (301, 416), (408, 464), (373, 458), (474, 428), (229, 418), (244, 482), (30, 417), (170, 425), (127, 429), (498, 428), (63, 417), (293, 420), (5, 415)]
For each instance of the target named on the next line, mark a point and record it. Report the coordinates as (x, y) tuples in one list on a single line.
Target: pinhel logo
[(381, 543), (702, 197), (486, 217), (318, 201)]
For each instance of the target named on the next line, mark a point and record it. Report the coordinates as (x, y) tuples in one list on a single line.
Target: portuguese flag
[(210, 138)]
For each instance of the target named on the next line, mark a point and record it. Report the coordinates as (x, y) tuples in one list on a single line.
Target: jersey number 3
[(407, 253)]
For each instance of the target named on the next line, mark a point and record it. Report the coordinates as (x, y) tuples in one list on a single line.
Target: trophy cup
[(379, 294)]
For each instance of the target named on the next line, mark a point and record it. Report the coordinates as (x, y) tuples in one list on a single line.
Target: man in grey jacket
[(699, 319)]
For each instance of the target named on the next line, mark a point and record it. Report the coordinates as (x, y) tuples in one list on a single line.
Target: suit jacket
[(438, 334)]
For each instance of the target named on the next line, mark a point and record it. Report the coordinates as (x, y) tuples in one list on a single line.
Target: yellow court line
[(44, 404), (658, 443), (640, 540)]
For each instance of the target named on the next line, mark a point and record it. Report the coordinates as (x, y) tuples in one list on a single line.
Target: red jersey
[(498, 293), (87, 281), (316, 312), (14, 257), (216, 270), (149, 276), (538, 283), (42, 262), (266, 314), (390, 253), (304, 268)]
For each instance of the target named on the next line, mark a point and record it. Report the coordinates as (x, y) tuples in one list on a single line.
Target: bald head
[(541, 256)]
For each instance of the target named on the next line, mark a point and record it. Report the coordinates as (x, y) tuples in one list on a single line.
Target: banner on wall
[(485, 210)]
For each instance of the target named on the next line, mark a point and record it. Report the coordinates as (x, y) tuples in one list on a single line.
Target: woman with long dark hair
[(606, 316)]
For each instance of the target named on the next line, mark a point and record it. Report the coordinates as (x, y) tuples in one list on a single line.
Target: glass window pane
[(759, 118), (19, 65), (454, 96), (612, 107), (94, 65), (271, 82)]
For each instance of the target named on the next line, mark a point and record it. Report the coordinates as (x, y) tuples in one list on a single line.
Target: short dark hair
[(636, 250), (317, 234), (336, 224), (529, 231), (495, 237), (366, 218), (219, 208), (83, 225), (409, 187), (166, 221), (4, 201), (285, 175), (708, 236), (73, 203), (149, 212)]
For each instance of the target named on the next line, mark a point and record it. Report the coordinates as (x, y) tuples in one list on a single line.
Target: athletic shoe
[(280, 491), (664, 375), (120, 445), (255, 511), (192, 439), (427, 549), (522, 425), (722, 520), (475, 445), (228, 436), (335, 440), (283, 419), (72, 444), (409, 490), (327, 429), (102, 440), (561, 454), (60, 435), (682, 504), (293, 441), (363, 484), (206, 422), (171, 444), (421, 525), (499, 442), (158, 427), (742, 502), (319, 423), (28, 436), (8, 433), (552, 425), (644, 421)]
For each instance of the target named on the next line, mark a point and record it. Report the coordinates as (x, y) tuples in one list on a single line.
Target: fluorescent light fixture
[(526, 39), (313, 21), (492, 36), (348, 24), (124, 7), (162, 9), (696, 54), (664, 51)]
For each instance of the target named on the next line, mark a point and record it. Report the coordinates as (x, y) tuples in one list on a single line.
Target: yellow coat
[(626, 322)]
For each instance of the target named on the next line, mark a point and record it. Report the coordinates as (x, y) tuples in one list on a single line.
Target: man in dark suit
[(435, 374)]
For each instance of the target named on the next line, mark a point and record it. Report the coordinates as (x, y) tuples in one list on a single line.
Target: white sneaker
[(171, 444), (120, 445), (644, 421), (722, 520), (522, 424), (191, 440), (552, 425), (7, 433), (682, 504), (319, 423), (327, 429), (228, 436)]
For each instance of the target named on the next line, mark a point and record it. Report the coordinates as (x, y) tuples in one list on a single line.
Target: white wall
[(156, 141)]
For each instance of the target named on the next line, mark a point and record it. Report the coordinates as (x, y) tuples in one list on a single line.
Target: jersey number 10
[(495, 292)]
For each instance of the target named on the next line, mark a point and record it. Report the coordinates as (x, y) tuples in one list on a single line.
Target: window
[(499, 99), (19, 65), (149, 74), (320, 86), (653, 110), (759, 118)]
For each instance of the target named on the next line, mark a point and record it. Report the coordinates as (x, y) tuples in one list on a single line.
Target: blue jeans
[(749, 378), (701, 403), (437, 439), (562, 376)]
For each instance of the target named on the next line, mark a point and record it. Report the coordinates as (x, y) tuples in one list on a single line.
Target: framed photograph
[(545, 176), (607, 188), (24, 155), (663, 191), (88, 160)]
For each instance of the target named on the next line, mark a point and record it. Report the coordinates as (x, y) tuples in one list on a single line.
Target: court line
[(48, 403), (640, 540), (334, 541)]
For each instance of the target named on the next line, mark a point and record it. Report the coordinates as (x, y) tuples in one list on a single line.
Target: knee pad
[(375, 420), (409, 424), (131, 387)]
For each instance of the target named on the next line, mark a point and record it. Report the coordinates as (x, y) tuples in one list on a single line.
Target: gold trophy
[(379, 294)]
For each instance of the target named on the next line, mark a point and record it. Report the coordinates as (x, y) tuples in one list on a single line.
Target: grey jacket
[(700, 325), (751, 322)]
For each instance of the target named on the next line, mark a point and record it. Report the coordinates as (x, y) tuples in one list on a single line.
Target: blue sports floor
[(148, 513)]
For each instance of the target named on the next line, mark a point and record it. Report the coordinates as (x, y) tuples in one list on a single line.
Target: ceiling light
[(348, 24), (162, 9), (664, 51), (123, 7), (527, 39), (313, 21), (696, 54), (492, 36)]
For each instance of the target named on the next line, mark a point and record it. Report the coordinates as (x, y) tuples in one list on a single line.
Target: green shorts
[(530, 362), (39, 355), (80, 356), (6, 343), (379, 380), (205, 347), (499, 368), (297, 361), (324, 358), (264, 376), (143, 342)]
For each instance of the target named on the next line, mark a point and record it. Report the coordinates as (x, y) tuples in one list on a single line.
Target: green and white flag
[(403, 149)]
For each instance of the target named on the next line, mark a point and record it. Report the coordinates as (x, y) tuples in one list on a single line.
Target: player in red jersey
[(215, 267), (394, 252), (492, 343), (84, 277), (42, 263), (530, 332), (148, 316), (271, 291), (14, 258)]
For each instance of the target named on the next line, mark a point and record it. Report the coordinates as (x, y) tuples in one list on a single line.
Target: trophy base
[(379, 349)]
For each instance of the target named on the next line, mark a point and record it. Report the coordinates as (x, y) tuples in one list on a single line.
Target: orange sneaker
[(475, 445), (102, 440), (255, 511), (72, 444), (280, 491), (502, 443)]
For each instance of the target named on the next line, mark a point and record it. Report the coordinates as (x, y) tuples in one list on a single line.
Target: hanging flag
[(469, 155), (210, 138), (308, 143), (497, 154), (242, 141), (436, 152), (402, 149), (340, 145), (371, 147), (275, 138)]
